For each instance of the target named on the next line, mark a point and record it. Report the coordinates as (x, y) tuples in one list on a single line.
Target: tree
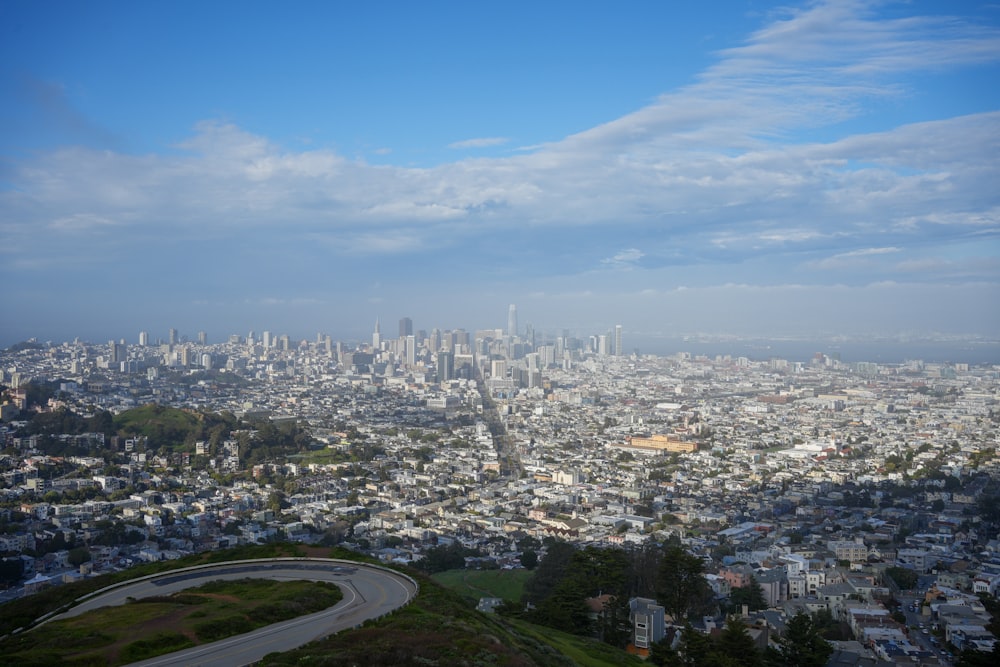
[(564, 610), (694, 650), (681, 584), (11, 570), (613, 623), (442, 558), (549, 572), (78, 556), (276, 501), (904, 579), (750, 595), (973, 658), (735, 641), (801, 645), (529, 559)]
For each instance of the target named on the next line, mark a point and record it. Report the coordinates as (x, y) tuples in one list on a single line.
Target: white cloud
[(624, 259), (720, 177), (483, 142), (82, 222)]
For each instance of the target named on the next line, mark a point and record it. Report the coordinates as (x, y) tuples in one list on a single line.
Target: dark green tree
[(680, 583), (564, 610), (78, 556), (973, 658), (613, 622), (529, 559), (695, 649), (905, 579), (11, 570), (444, 557), (801, 644), (549, 572), (750, 595), (735, 642)]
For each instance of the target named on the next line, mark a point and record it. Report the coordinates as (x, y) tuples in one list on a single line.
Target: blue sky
[(742, 167)]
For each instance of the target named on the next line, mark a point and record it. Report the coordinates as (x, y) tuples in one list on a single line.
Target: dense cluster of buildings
[(806, 479)]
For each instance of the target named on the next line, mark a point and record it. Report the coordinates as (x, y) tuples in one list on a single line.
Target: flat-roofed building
[(657, 444)]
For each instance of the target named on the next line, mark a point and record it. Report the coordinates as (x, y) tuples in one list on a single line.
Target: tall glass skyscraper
[(405, 327)]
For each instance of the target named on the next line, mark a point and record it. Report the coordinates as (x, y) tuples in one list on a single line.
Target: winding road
[(370, 592)]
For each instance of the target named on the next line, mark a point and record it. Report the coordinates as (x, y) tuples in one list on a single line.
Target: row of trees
[(557, 596), (800, 645)]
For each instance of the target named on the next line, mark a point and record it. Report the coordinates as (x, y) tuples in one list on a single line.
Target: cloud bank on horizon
[(832, 168)]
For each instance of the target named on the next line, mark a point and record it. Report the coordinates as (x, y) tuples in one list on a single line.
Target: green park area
[(149, 627), (475, 584)]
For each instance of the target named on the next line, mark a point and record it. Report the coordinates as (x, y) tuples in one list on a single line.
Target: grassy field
[(474, 584), (153, 626), (581, 650)]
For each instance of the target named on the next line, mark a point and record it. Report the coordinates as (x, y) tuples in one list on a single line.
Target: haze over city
[(746, 168)]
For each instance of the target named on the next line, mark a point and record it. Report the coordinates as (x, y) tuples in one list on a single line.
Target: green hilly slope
[(441, 628), (163, 426)]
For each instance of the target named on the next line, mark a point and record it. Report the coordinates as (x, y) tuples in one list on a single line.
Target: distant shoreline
[(849, 351)]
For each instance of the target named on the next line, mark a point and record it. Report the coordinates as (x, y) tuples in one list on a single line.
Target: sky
[(739, 167)]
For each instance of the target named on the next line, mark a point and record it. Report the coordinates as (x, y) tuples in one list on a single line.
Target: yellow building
[(658, 444)]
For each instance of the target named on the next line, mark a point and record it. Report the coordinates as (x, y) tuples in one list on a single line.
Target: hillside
[(440, 628), (162, 426)]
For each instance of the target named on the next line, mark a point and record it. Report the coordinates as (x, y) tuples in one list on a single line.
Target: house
[(648, 622)]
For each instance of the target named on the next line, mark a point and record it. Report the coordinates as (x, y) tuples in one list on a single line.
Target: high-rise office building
[(618, 341), (143, 338), (172, 337), (405, 327), (377, 336), (512, 320), (446, 366), (266, 340), (411, 350), (202, 338), (602, 345), (118, 352)]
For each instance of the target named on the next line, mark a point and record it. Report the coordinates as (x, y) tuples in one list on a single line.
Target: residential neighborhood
[(868, 491)]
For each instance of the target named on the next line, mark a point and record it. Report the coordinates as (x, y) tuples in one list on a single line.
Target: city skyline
[(758, 169)]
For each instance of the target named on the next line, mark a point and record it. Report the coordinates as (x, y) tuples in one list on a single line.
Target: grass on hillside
[(166, 427), (441, 628), (474, 584), (438, 627), (322, 456), (153, 626), (583, 651), (23, 612)]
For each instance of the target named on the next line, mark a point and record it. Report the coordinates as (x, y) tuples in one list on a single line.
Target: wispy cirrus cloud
[(483, 142)]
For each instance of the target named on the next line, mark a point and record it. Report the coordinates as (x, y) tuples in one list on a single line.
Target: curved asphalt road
[(369, 592)]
